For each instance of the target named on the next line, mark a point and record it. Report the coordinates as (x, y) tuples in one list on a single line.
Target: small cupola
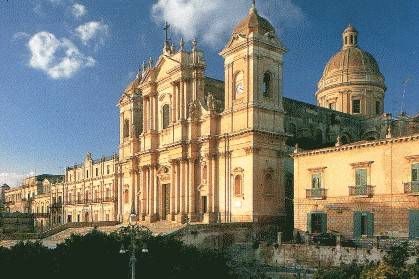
[(350, 37)]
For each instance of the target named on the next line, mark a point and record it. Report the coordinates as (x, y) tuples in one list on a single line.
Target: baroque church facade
[(193, 148)]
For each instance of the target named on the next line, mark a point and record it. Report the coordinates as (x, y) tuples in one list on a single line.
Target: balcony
[(411, 187), (56, 205), (109, 199), (316, 193), (361, 191)]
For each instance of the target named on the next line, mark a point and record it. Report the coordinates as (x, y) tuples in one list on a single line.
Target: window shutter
[(413, 223), (357, 224), (309, 222), (315, 181), (415, 172), (324, 223), (360, 177), (370, 227)]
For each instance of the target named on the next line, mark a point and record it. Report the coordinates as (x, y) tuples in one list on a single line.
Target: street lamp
[(132, 231)]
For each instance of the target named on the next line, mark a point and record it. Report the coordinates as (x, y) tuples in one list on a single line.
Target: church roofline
[(355, 145)]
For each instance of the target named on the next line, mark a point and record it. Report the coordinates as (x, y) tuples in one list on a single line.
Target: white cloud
[(59, 58), (19, 36), (78, 10), (93, 30), (213, 21), (14, 179)]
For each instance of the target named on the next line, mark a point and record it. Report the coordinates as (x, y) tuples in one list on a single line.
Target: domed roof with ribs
[(254, 23), (351, 65)]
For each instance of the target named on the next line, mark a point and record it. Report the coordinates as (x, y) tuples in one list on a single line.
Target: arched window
[(166, 116), (126, 196), (352, 39), (126, 128), (266, 86), (268, 183), (86, 196), (237, 185)]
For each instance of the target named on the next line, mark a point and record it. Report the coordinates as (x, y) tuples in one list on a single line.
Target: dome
[(351, 65), (254, 23)]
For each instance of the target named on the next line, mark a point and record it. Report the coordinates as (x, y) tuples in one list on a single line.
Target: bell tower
[(253, 75)]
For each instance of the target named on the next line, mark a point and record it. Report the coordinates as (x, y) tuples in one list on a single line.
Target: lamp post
[(132, 231)]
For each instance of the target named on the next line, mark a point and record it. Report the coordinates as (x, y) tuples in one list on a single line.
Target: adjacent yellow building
[(359, 189)]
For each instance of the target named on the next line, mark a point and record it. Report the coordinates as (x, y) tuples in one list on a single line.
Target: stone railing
[(364, 190), (316, 193), (89, 201), (411, 187)]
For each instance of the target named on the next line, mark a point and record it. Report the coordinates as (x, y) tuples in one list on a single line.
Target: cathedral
[(196, 149)]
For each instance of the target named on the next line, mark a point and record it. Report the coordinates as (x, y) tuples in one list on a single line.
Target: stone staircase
[(163, 227)]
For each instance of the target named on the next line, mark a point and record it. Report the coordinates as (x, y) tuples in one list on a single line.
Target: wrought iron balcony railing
[(361, 190), (56, 205), (411, 187), (316, 193)]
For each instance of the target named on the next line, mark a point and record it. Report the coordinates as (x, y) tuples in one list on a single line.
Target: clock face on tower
[(239, 88), (238, 84)]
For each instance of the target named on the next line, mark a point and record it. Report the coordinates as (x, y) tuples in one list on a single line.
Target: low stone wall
[(16, 223), (221, 236)]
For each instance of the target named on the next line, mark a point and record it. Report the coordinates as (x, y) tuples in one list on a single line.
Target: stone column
[(155, 185), (172, 190), (144, 115), (214, 187), (133, 189), (210, 184), (156, 111), (173, 107), (150, 112), (143, 193), (182, 185), (152, 211), (178, 101), (177, 188), (120, 208), (192, 190), (182, 100)]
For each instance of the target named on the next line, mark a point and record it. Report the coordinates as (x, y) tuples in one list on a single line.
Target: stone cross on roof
[(166, 32)]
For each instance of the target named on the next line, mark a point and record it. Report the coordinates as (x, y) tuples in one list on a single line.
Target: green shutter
[(370, 226), (415, 172), (324, 222), (414, 223), (360, 177), (309, 222), (357, 224), (316, 181)]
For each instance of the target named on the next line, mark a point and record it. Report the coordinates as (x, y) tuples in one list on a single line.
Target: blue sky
[(64, 63)]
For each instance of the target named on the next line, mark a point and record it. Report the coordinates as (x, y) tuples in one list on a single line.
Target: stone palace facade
[(197, 149)]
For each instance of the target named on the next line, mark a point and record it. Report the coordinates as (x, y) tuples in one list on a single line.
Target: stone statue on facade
[(211, 102), (194, 109)]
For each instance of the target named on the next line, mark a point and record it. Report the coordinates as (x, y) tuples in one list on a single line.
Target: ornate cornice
[(412, 158), (362, 164)]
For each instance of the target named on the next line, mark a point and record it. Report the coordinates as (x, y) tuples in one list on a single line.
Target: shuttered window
[(361, 177), (414, 223), (166, 116), (415, 172), (316, 182), (317, 222), (363, 224)]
